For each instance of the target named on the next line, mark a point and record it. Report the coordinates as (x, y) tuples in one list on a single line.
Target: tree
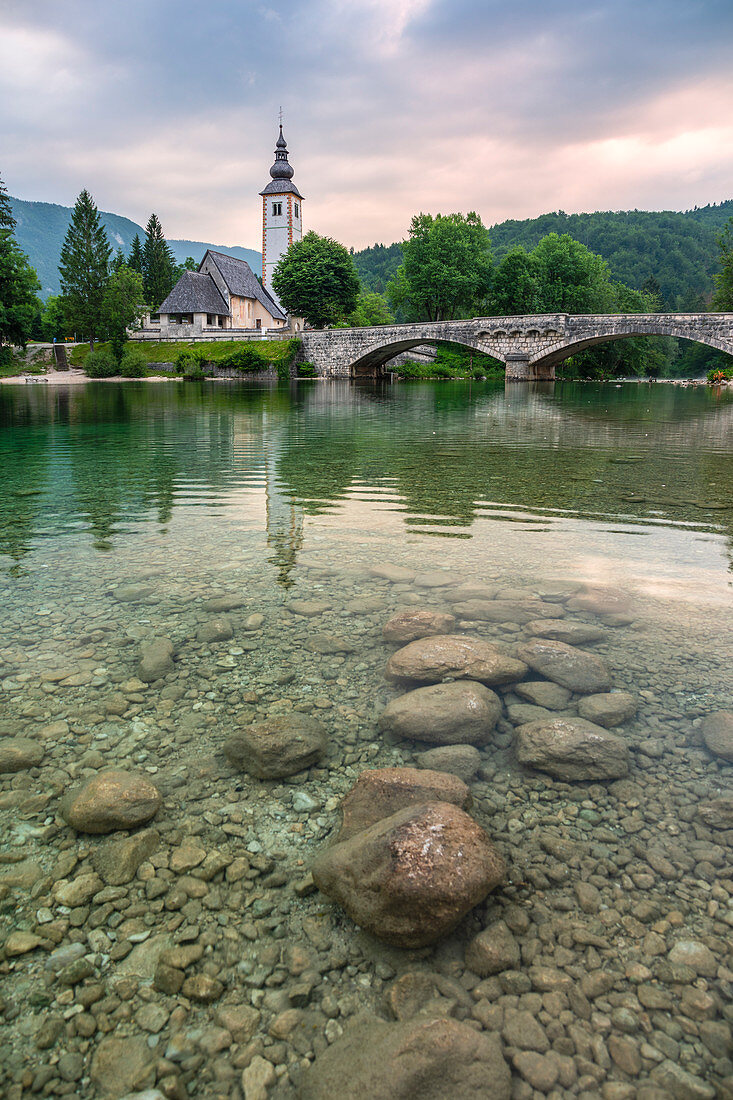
[(84, 268), (653, 292), (19, 286), (316, 279), (189, 264), (135, 259), (446, 268), (371, 309), (117, 260), (123, 307), (515, 288), (723, 297), (572, 278), (53, 323), (158, 265)]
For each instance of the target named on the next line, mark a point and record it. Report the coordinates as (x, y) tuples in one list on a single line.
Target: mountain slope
[(42, 227)]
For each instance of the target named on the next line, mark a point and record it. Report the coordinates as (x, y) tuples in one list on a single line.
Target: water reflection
[(107, 459)]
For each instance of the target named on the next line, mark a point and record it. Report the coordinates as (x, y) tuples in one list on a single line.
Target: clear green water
[(275, 495)]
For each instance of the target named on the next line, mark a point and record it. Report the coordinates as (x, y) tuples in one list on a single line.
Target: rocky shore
[(398, 832)]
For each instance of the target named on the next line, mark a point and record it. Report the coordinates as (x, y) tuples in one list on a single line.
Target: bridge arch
[(568, 345), (371, 363)]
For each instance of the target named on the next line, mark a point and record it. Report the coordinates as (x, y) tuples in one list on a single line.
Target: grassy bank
[(270, 351)]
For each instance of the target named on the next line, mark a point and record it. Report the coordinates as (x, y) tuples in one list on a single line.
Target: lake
[(268, 534)]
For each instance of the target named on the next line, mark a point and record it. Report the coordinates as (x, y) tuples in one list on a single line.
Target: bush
[(720, 374), (306, 370), (100, 364), (244, 359), (134, 363), (189, 359)]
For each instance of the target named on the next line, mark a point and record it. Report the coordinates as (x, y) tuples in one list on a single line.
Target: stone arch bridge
[(530, 346)]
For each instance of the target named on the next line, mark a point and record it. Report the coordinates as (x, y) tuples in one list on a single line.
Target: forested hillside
[(679, 250), (41, 228)]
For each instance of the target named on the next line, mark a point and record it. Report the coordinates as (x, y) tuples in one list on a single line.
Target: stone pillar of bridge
[(517, 368)]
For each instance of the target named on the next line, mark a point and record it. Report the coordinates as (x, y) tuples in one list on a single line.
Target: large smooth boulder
[(19, 753), (543, 693), (608, 709), (110, 800), (430, 1059), (277, 746), (453, 656), (564, 664), (381, 792), (411, 623), (572, 749), (410, 878), (717, 732), (505, 611), (462, 713)]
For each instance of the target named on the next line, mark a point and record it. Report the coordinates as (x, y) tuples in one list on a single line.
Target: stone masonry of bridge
[(530, 346)]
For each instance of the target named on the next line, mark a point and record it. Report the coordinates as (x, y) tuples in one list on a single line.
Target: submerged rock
[(505, 611), (608, 709), (278, 746), (717, 813), (461, 760), (215, 630), (493, 950), (112, 799), (601, 600), (570, 667), (717, 732), (543, 693), (156, 659), (431, 1059), (572, 749), (562, 630), (417, 622), (383, 791), (19, 753), (445, 714), (410, 878), (453, 656), (117, 861)]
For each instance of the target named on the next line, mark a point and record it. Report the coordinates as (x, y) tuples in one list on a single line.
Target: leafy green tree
[(653, 292), (189, 264), (572, 278), (117, 260), (135, 259), (316, 280), (371, 309), (53, 324), (158, 265), (446, 268), (123, 306), (515, 288), (84, 268), (723, 297), (19, 286)]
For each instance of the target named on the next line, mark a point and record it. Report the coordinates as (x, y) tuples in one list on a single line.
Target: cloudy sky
[(391, 107)]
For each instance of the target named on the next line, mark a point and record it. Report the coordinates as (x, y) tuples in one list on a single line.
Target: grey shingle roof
[(281, 187), (242, 281), (195, 293)]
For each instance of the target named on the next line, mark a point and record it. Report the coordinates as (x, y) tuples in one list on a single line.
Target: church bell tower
[(282, 213)]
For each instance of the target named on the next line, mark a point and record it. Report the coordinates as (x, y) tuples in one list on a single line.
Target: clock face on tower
[(282, 212)]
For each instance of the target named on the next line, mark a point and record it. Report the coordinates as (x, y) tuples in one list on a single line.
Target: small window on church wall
[(277, 209), (297, 209)]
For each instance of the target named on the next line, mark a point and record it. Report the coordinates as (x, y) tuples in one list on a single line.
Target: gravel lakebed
[(161, 930)]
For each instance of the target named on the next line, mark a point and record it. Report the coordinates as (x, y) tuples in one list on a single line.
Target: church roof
[(194, 293), (242, 281), (281, 187)]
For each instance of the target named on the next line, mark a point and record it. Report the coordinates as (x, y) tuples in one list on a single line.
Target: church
[(224, 293)]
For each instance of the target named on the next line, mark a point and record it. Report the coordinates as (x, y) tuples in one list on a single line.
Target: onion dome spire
[(281, 169)]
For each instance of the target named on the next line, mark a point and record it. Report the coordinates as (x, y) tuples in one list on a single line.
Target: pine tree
[(84, 268), (118, 260), (158, 264), (19, 304), (135, 259)]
